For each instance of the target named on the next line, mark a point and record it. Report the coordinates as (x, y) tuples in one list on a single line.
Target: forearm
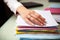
[(13, 4)]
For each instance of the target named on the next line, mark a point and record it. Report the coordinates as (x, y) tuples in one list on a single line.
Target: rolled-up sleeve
[(12, 4)]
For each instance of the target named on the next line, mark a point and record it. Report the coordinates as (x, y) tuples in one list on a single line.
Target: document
[(50, 21), (57, 17)]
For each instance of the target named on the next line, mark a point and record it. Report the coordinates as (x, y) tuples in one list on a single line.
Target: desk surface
[(7, 31)]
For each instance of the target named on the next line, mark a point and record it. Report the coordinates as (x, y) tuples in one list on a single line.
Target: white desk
[(7, 31)]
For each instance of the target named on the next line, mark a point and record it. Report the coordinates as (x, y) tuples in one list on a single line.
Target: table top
[(7, 31)]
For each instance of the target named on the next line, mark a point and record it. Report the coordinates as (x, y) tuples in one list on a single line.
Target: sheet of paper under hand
[(46, 14)]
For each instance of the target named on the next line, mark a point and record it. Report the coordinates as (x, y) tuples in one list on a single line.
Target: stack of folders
[(25, 30), (54, 7), (36, 30)]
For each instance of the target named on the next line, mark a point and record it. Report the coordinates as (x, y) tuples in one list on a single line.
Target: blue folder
[(36, 39), (55, 5)]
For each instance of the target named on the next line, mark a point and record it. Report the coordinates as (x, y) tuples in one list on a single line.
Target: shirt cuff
[(13, 5), (16, 5)]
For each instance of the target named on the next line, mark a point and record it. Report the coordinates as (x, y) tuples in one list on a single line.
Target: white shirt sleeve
[(12, 4)]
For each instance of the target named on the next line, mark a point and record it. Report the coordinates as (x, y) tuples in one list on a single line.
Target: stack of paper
[(49, 28), (50, 22)]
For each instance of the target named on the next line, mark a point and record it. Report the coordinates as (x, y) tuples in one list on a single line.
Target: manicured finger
[(29, 22), (37, 18), (35, 21), (40, 17)]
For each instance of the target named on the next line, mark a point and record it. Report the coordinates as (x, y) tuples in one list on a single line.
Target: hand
[(31, 17)]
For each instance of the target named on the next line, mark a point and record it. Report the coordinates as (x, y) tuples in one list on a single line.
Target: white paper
[(56, 17), (46, 14)]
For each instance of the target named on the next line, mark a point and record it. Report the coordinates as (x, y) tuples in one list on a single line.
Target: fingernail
[(32, 24), (41, 24), (44, 23)]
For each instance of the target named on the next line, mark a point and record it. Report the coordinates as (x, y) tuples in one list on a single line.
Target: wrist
[(21, 9)]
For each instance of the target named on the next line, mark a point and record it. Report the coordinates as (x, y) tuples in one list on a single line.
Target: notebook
[(50, 22)]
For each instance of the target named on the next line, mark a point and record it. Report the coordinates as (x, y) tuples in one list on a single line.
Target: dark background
[(5, 13), (54, 0)]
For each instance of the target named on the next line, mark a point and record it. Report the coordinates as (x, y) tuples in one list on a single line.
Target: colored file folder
[(54, 10)]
